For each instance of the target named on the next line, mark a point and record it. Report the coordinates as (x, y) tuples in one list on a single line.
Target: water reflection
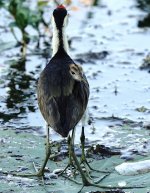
[(20, 92), (145, 6)]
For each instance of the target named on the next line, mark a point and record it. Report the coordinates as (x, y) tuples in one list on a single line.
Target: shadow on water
[(144, 5), (20, 98)]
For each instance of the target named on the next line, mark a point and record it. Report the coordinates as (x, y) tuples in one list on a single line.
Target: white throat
[(55, 38)]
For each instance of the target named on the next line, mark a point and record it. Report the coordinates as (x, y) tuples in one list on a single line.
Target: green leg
[(83, 157), (48, 153), (82, 139), (70, 163), (85, 180)]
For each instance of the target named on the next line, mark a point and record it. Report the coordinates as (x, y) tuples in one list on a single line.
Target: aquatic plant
[(23, 16)]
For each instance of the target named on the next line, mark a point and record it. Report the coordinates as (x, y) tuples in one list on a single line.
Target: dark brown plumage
[(62, 99)]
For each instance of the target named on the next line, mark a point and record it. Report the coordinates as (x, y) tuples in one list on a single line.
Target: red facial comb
[(61, 7)]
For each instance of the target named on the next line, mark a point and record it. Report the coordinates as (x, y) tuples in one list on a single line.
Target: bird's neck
[(59, 41)]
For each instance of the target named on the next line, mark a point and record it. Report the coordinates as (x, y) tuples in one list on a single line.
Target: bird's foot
[(69, 170), (89, 178), (38, 173), (23, 175), (86, 164), (88, 182), (111, 187)]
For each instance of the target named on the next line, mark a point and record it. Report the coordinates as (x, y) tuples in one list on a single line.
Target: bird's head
[(76, 72), (60, 17)]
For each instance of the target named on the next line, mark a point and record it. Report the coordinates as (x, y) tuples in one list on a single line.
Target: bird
[(63, 94), (63, 89)]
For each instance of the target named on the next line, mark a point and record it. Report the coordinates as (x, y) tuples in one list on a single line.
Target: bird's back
[(62, 100)]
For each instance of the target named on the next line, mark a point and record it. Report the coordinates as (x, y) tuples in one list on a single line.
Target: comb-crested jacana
[(63, 90)]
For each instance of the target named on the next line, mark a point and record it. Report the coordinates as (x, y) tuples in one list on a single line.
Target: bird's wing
[(77, 105), (62, 112), (47, 90)]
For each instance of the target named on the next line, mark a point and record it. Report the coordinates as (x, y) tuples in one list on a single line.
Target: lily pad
[(20, 150)]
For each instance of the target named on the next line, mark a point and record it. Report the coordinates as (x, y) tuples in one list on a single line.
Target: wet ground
[(107, 41)]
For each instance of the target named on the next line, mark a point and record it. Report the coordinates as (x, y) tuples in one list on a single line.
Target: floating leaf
[(31, 148)]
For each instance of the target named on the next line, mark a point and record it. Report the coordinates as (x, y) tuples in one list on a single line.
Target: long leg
[(84, 161), (70, 162), (84, 177), (48, 152), (82, 139), (83, 157)]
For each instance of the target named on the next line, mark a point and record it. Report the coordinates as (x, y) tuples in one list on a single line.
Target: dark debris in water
[(146, 125), (90, 57), (146, 63), (100, 151), (122, 121), (142, 109)]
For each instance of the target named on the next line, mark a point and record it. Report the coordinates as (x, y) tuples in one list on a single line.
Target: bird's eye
[(73, 73)]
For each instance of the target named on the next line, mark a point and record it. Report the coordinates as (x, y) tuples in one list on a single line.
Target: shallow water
[(118, 87)]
